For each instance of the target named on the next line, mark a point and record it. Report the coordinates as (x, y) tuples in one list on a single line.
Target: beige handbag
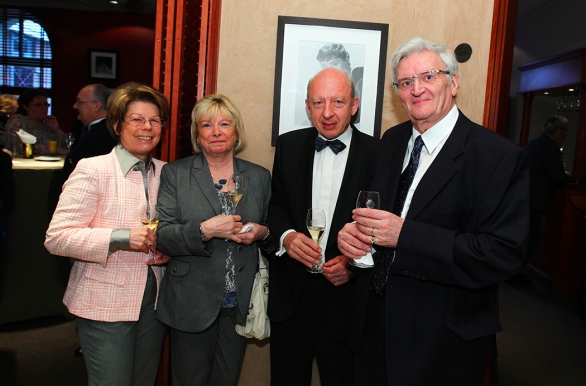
[(257, 321)]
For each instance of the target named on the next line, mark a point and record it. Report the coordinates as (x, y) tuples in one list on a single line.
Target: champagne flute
[(236, 188), (152, 221), (316, 225), (370, 200), (69, 140)]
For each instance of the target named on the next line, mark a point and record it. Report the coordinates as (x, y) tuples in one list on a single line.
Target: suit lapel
[(442, 168), (304, 178), (390, 179), (202, 176), (350, 181)]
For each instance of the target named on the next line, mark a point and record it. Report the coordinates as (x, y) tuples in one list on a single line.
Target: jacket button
[(240, 248), (239, 269), (423, 278), (406, 273), (174, 269)]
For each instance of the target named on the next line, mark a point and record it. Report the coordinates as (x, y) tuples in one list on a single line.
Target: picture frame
[(299, 43), (104, 64)]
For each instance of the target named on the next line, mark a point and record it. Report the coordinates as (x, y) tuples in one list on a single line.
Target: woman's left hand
[(256, 233)]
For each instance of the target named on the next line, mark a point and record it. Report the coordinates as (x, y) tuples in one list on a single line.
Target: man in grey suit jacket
[(309, 312), (453, 223)]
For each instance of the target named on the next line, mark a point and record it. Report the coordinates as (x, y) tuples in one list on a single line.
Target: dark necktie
[(336, 145), (83, 132), (383, 268)]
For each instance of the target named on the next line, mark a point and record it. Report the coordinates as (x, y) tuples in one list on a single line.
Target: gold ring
[(372, 240), (372, 232), (335, 280)]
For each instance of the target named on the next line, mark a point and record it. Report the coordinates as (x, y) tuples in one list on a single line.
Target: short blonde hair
[(130, 92), (8, 104), (209, 106)]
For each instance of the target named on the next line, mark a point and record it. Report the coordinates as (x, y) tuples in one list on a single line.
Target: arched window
[(25, 52)]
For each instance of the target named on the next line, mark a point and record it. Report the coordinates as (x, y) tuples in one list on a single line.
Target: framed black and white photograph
[(307, 45), (104, 64)]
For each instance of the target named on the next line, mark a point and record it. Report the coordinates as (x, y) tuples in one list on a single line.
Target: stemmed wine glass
[(370, 200), (236, 188), (152, 221), (316, 225), (69, 140)]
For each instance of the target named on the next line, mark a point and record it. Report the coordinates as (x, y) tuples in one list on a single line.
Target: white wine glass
[(371, 200), (316, 225), (236, 189), (151, 220)]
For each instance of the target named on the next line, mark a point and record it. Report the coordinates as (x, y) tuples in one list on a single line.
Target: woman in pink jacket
[(114, 281)]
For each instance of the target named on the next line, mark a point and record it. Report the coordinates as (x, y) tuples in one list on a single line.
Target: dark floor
[(543, 343)]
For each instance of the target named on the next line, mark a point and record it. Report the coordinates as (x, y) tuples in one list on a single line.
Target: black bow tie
[(336, 145)]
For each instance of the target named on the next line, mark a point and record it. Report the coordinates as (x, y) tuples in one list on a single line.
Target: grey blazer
[(191, 294)]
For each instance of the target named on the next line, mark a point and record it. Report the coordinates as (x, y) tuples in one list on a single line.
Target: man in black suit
[(547, 171), (451, 227), (310, 312), (93, 138)]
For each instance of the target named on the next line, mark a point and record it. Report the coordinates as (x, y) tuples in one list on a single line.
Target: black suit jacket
[(291, 198), (466, 230), (546, 170), (97, 141)]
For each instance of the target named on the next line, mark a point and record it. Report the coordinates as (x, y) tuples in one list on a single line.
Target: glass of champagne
[(370, 200), (152, 221), (316, 225), (236, 188), (69, 139)]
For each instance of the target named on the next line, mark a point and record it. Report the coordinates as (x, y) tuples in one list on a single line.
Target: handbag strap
[(261, 262)]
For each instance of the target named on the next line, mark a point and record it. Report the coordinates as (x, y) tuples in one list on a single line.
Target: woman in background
[(114, 281), (32, 117), (209, 281), (8, 106)]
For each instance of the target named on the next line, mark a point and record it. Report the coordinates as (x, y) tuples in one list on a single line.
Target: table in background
[(32, 281)]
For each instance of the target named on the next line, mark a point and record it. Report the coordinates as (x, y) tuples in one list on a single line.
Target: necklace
[(221, 182)]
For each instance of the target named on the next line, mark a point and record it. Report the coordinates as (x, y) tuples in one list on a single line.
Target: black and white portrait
[(305, 46), (315, 56)]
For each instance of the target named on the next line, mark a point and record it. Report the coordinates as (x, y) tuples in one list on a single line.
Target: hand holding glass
[(152, 222), (236, 188), (370, 200), (316, 225)]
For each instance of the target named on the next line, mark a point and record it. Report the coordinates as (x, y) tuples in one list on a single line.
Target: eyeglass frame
[(418, 77), (144, 121), (39, 105), (78, 102)]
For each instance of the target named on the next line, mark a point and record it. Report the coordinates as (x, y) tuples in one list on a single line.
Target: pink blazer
[(97, 199)]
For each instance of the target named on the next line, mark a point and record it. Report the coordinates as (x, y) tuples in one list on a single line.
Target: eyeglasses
[(78, 102), (39, 105), (139, 121), (425, 78)]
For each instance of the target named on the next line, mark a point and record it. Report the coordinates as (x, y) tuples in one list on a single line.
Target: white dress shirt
[(328, 172), (433, 141)]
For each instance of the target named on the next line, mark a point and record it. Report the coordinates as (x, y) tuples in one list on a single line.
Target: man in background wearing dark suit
[(324, 166), (93, 138), (547, 170), (453, 224)]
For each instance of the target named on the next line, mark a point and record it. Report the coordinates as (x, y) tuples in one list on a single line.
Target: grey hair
[(348, 77), (417, 45), (101, 94), (553, 123)]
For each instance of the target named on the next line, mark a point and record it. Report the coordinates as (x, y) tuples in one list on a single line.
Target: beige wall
[(248, 44)]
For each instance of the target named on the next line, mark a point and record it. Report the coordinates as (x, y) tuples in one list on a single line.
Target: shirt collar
[(127, 160), (94, 122), (345, 137), (436, 134)]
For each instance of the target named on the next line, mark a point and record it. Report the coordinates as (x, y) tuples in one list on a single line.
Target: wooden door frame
[(500, 64)]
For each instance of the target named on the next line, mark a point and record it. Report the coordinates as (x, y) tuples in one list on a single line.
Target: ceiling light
[(113, 2)]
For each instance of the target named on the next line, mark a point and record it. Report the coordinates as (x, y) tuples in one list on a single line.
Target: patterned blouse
[(230, 284), (26, 123)]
